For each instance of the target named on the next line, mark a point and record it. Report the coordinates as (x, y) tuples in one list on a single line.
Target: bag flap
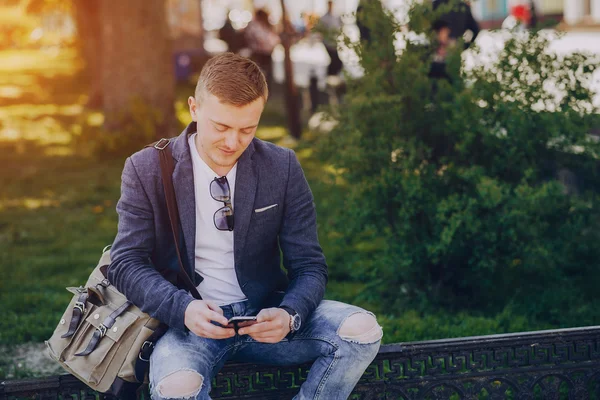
[(98, 274), (75, 290), (92, 293), (122, 322), (105, 259)]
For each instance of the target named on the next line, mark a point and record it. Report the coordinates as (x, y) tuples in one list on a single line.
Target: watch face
[(296, 322)]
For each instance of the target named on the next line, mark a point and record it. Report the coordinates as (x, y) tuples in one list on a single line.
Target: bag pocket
[(128, 371), (57, 344), (92, 367)]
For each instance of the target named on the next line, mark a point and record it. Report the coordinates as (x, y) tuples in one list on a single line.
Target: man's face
[(224, 130), (444, 35)]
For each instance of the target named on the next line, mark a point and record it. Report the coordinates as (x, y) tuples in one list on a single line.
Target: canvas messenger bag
[(102, 338)]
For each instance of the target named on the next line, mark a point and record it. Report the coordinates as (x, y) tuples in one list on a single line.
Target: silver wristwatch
[(295, 320)]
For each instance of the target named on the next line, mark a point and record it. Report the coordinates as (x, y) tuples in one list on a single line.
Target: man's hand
[(198, 317), (272, 325)]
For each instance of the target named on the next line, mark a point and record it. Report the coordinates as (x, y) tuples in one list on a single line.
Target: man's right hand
[(198, 317)]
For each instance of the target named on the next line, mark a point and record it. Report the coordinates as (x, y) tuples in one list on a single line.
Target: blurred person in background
[(522, 15), (449, 27), (332, 25), (533, 20), (442, 44), (456, 22), (365, 32), (261, 38), (233, 38)]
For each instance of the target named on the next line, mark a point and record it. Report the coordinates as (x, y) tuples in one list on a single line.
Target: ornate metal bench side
[(520, 366)]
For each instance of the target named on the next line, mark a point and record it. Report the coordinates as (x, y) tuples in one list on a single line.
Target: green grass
[(57, 205), (56, 216)]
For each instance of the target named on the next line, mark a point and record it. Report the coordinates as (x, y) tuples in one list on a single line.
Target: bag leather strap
[(108, 323), (166, 169), (142, 364), (78, 311)]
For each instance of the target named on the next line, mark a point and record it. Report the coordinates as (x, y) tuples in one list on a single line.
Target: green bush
[(477, 192)]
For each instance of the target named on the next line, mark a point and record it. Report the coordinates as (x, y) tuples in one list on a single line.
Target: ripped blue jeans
[(339, 362)]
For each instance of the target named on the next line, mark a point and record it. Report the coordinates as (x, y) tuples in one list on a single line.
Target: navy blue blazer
[(266, 175)]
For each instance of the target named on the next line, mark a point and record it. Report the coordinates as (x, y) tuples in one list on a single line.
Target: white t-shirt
[(214, 259)]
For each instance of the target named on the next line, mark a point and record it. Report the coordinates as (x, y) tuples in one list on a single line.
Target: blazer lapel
[(245, 190), (183, 180)]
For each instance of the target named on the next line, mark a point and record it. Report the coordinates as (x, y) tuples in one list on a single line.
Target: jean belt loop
[(236, 309), (225, 309)]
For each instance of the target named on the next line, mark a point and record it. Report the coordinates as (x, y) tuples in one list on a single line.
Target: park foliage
[(477, 193)]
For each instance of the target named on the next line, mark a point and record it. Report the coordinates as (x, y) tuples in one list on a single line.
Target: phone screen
[(240, 322)]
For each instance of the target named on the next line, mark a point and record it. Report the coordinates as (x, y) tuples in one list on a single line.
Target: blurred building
[(491, 13), (582, 12)]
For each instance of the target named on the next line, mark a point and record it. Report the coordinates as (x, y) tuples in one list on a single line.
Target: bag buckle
[(80, 306), (144, 349), (162, 144), (102, 329), (104, 283)]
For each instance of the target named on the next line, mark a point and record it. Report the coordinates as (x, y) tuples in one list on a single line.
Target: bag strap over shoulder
[(167, 167)]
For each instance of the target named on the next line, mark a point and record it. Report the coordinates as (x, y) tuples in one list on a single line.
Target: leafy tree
[(455, 189), (127, 50)]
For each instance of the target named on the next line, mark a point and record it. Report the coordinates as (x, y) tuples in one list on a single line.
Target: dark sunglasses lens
[(219, 189), (224, 219)]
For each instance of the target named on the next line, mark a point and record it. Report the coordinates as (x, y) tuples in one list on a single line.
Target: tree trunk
[(201, 23), (137, 67), (87, 20)]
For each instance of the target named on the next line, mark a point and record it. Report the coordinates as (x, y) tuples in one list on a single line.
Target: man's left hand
[(272, 325)]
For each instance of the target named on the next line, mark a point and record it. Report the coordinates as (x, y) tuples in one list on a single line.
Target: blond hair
[(233, 79)]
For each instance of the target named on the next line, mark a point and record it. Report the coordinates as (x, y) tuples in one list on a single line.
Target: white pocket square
[(259, 210)]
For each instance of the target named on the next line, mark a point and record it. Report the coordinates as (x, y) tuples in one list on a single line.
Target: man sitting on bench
[(242, 203)]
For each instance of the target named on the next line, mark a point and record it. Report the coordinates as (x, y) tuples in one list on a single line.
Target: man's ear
[(193, 107)]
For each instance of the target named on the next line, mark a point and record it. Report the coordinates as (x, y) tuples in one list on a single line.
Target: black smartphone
[(240, 322)]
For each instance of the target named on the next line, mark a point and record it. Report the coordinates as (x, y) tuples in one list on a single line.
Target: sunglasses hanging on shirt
[(220, 191)]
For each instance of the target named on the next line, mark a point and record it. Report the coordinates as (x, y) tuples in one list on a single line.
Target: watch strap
[(289, 310)]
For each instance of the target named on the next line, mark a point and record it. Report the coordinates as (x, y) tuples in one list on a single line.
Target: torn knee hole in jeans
[(360, 327), (184, 383)]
